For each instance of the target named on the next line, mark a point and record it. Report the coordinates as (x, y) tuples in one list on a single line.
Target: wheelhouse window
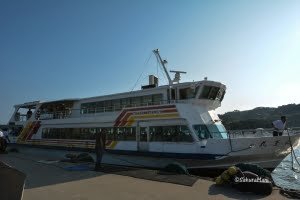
[(187, 93), (220, 95), (212, 93)]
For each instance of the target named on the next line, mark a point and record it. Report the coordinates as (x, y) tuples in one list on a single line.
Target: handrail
[(231, 134), (21, 118), (259, 133), (251, 132)]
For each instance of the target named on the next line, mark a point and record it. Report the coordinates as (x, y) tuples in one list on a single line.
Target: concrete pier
[(51, 181)]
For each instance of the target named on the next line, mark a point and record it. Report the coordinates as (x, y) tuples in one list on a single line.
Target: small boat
[(152, 127)]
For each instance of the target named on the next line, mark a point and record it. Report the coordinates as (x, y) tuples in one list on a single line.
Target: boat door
[(142, 136)]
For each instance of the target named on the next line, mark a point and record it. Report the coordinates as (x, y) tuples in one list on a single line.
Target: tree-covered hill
[(261, 117)]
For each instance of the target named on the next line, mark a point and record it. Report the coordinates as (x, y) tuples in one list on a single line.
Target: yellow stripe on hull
[(112, 145)]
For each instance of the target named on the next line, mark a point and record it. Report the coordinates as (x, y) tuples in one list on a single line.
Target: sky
[(56, 49)]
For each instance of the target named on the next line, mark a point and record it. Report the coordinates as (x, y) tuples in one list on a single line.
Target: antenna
[(177, 75), (163, 62)]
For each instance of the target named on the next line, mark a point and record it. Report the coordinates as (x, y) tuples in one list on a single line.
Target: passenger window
[(125, 134), (100, 106), (202, 132), (136, 101), (170, 134), (143, 134), (110, 135), (125, 102), (147, 100), (116, 104)]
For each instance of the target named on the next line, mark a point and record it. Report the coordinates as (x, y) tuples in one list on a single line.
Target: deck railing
[(260, 132)]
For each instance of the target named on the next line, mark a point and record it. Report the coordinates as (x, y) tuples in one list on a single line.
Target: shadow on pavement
[(11, 183)]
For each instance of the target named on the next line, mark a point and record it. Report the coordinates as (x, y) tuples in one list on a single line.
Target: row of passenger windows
[(212, 93), (157, 133), (119, 104), (123, 133)]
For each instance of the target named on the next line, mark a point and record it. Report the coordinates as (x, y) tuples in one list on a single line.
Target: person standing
[(279, 126), (100, 147), (29, 114), (3, 143), (5, 134)]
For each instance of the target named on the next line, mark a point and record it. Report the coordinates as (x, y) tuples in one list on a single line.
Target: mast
[(162, 62)]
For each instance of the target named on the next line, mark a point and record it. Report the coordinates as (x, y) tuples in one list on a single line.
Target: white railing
[(20, 117), (259, 132)]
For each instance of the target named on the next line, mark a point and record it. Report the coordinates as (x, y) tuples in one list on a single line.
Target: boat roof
[(31, 104), (136, 92), (155, 89), (62, 100)]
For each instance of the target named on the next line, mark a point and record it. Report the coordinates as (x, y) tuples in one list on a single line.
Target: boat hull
[(242, 150), (265, 161)]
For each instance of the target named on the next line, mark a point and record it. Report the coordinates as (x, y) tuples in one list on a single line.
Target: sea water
[(284, 176)]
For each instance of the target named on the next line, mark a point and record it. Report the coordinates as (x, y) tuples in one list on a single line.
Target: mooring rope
[(293, 154)]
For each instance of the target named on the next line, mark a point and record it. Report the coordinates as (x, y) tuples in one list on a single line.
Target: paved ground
[(51, 181)]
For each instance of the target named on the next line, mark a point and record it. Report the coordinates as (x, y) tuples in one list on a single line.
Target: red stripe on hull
[(118, 120)]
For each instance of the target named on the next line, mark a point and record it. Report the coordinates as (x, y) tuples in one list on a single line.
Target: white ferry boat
[(150, 127)]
